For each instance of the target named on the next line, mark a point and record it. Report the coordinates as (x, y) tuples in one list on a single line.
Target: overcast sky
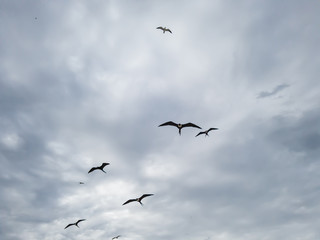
[(87, 82)]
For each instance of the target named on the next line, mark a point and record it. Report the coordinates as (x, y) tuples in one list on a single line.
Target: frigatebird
[(179, 125), (138, 199), (116, 237), (206, 132), (76, 223), (164, 29), (101, 167)]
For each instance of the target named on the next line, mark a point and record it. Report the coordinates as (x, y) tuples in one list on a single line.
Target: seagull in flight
[(101, 167), (116, 237), (138, 199), (206, 132), (76, 223), (164, 29), (179, 125)]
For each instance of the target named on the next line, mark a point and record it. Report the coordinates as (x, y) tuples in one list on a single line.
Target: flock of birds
[(169, 123)]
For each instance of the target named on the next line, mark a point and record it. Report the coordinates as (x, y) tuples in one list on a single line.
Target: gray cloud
[(87, 83), (276, 90)]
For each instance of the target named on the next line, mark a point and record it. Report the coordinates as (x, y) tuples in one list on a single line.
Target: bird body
[(179, 125), (138, 199), (206, 132), (100, 168), (164, 29), (116, 237), (76, 223)]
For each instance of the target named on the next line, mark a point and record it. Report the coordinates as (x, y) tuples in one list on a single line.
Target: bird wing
[(69, 225), (129, 201), (169, 30), (145, 195), (200, 133), (104, 164), (160, 28), (80, 220), (170, 123), (212, 129), (190, 125), (92, 169)]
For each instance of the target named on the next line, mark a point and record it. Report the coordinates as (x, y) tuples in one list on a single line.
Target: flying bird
[(164, 29), (76, 223), (81, 182), (101, 167), (179, 125), (138, 199), (206, 132), (116, 237)]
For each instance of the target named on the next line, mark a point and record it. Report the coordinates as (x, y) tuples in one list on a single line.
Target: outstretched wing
[(69, 225), (190, 125), (212, 129), (104, 164), (170, 123), (200, 133), (116, 237), (129, 201), (92, 169), (146, 195), (169, 30), (160, 28), (80, 220)]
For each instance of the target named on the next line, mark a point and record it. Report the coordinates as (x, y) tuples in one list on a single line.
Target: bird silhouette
[(81, 182), (116, 237), (179, 125), (164, 29), (138, 199), (76, 223), (100, 168), (206, 132)]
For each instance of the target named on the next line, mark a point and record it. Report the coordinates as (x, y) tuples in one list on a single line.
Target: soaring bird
[(101, 167), (76, 223), (164, 29), (138, 199), (81, 182), (206, 132), (116, 237), (179, 125)]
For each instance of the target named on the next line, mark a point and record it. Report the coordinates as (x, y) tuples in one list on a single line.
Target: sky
[(87, 82)]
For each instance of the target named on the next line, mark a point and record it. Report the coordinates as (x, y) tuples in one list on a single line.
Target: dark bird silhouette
[(116, 237), (101, 167), (164, 29), (206, 132), (81, 182), (179, 125), (76, 223), (138, 199)]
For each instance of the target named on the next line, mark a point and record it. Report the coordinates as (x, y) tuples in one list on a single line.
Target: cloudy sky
[(87, 82)]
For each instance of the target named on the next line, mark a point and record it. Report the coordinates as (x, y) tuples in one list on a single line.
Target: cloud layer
[(83, 83)]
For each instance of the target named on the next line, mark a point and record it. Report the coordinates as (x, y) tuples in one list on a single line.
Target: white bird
[(164, 29)]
